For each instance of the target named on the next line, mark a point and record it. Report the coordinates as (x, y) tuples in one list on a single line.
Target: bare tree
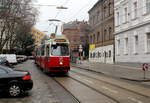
[(15, 14)]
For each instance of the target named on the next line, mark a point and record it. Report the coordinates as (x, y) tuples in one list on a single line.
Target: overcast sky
[(77, 9)]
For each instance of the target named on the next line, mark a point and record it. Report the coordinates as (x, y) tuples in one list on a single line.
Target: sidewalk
[(125, 71)]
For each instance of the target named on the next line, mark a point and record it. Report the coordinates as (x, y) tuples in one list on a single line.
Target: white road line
[(88, 81), (78, 76), (135, 100), (84, 79), (110, 90)]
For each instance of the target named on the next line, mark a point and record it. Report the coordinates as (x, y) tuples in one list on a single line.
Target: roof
[(99, 1)]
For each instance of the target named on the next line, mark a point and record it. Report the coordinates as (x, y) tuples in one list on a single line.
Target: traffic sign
[(145, 67)]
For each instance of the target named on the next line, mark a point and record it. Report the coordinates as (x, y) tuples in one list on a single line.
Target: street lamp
[(61, 7)]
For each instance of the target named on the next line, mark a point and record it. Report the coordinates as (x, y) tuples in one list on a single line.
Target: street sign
[(145, 68)]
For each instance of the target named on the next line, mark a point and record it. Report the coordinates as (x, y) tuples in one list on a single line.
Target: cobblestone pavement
[(41, 92)]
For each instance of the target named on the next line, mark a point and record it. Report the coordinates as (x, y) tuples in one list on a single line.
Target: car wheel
[(14, 90)]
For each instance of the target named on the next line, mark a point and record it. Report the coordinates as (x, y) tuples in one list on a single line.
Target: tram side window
[(47, 50), (38, 52), (42, 50)]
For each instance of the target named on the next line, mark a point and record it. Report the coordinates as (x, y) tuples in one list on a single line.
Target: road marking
[(110, 90), (78, 76), (135, 100), (88, 81)]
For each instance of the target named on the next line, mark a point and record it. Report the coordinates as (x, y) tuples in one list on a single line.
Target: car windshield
[(60, 49)]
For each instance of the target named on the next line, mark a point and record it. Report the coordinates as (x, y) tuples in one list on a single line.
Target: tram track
[(78, 99), (125, 89), (113, 84), (97, 91)]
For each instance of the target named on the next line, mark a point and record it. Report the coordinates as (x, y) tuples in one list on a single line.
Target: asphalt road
[(45, 89)]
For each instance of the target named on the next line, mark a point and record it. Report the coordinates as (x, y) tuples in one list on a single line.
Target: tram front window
[(60, 50)]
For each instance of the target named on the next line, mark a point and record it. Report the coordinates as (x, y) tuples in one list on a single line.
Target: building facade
[(38, 36), (101, 38), (77, 33), (132, 31)]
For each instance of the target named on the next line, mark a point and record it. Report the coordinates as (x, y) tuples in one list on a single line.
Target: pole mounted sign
[(145, 68)]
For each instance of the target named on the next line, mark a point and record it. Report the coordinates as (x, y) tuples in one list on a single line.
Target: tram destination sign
[(60, 40)]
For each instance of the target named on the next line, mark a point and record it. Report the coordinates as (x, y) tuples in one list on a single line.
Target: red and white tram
[(53, 55)]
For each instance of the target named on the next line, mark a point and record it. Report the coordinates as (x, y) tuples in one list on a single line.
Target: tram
[(53, 55)]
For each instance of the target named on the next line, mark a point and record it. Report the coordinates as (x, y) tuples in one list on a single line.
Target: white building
[(132, 31)]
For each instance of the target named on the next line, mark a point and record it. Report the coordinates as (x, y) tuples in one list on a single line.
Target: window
[(148, 6), (105, 11), (105, 34), (99, 54), (109, 53), (148, 42), (60, 49), (126, 46), (42, 50), (110, 33), (91, 55), (135, 43), (98, 15), (135, 10), (93, 38), (2, 71), (118, 19), (118, 47), (98, 34), (94, 55), (109, 5), (47, 50), (126, 15)]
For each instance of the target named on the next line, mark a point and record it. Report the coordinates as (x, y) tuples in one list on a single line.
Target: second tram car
[(53, 55)]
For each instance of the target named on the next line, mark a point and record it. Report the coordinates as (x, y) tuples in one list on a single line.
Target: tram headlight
[(61, 63)]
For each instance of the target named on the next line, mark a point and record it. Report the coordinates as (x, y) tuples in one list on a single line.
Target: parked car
[(11, 58), (31, 57), (21, 58), (14, 82)]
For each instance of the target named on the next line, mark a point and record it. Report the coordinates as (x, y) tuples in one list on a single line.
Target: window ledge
[(126, 22), (147, 52), (117, 54), (135, 18), (117, 25), (125, 53), (135, 53), (147, 13)]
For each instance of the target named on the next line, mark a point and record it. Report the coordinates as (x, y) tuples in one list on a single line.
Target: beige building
[(101, 19), (38, 36)]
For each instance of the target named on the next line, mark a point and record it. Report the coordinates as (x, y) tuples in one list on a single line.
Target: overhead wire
[(65, 3), (74, 16)]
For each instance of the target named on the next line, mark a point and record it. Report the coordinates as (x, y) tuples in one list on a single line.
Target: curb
[(137, 80)]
